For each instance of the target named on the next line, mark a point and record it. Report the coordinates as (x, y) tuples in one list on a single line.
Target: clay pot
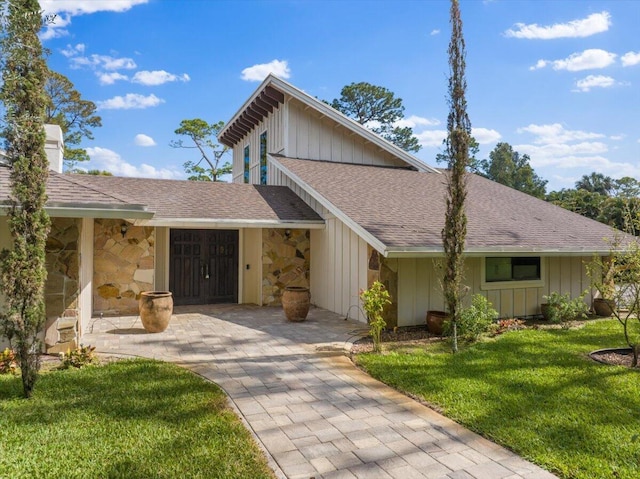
[(295, 303), (156, 308), (603, 307), (435, 322)]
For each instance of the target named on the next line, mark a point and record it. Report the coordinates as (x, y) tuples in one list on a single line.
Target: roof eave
[(335, 115), (233, 223), (434, 252)]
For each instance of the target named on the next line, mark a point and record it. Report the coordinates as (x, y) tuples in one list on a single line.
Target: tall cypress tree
[(23, 272), (457, 152)]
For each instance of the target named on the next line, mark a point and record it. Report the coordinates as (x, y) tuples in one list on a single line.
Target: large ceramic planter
[(295, 303), (435, 322), (603, 307), (156, 308)]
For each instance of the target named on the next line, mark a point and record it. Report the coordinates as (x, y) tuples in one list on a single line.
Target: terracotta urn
[(435, 322), (603, 307), (295, 303), (156, 308)]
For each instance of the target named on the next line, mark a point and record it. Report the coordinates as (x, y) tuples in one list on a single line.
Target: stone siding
[(123, 266), (384, 270), (62, 287), (286, 255)]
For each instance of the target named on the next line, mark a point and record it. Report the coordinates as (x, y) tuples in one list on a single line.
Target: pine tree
[(457, 152), (23, 272)]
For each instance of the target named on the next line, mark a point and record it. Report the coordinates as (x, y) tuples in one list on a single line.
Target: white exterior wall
[(251, 278), (419, 288), (338, 268), (274, 124), (311, 137)]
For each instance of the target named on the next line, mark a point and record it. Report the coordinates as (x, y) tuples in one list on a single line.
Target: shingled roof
[(177, 202), (403, 211), (67, 197)]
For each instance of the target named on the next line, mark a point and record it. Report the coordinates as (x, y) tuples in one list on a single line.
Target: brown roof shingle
[(179, 199), (406, 209)]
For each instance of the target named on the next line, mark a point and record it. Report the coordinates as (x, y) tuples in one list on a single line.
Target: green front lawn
[(536, 392), (127, 419)]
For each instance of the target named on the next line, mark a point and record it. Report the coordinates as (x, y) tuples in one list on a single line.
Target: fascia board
[(432, 252), (232, 223), (333, 209)]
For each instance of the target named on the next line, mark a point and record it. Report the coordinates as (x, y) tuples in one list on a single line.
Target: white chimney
[(54, 147)]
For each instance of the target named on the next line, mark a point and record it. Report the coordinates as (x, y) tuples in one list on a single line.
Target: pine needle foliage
[(22, 268), (457, 152)]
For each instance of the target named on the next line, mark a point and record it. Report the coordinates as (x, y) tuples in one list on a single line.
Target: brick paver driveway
[(315, 414)]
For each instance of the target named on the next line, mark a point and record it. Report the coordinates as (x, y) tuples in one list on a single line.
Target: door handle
[(204, 270)]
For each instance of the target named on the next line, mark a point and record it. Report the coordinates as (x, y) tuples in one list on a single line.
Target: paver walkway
[(314, 413)]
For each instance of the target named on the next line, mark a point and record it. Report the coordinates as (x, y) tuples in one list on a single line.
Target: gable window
[(263, 158), (512, 272), (247, 163)]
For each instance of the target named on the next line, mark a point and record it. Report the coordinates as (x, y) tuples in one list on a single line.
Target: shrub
[(7, 361), (475, 319), (374, 300), (504, 325), (79, 357), (563, 309)]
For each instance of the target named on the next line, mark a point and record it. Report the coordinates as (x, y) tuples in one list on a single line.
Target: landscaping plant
[(619, 281), (78, 357), (7, 361), (563, 309), (475, 319), (374, 300), (22, 268)]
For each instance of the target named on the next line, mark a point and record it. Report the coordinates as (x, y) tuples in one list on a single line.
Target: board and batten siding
[(274, 125), (419, 289), (311, 136)]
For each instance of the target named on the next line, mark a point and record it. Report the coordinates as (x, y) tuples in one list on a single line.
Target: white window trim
[(248, 144), (531, 283)]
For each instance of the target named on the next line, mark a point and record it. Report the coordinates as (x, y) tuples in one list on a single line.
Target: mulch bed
[(616, 358)]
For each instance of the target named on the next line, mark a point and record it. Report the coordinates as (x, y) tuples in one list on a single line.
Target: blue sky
[(558, 80)]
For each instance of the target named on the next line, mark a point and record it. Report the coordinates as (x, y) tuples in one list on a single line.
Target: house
[(316, 200)]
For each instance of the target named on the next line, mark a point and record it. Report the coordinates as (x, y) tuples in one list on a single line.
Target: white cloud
[(104, 62), (81, 7), (109, 160), (630, 59), (130, 101), (587, 60), (434, 32), (415, 121), (485, 136), (594, 81), (144, 140), (431, 138), (56, 29), (594, 23), (556, 133), (65, 9), (617, 137), (72, 51), (110, 78), (157, 77), (279, 68)]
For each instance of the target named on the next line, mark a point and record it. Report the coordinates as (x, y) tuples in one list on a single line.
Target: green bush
[(563, 309), (474, 320)]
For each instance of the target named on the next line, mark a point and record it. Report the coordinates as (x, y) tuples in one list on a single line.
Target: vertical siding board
[(519, 302), (354, 270), (533, 300), (422, 289), (506, 303), (565, 275), (554, 273)]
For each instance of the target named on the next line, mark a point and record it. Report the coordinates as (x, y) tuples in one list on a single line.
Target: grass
[(535, 392), (127, 419)]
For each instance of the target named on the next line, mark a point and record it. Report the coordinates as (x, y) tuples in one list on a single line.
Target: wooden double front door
[(204, 266)]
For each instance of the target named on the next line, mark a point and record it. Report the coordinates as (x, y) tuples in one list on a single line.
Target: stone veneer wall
[(62, 287), (123, 266), (285, 262), (384, 270)]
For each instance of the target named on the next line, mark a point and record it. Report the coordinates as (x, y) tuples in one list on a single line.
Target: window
[(263, 158), (247, 163), (525, 268)]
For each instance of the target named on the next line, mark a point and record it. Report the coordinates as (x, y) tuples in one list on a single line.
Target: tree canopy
[(203, 138), (508, 167), (378, 109), (75, 116)]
